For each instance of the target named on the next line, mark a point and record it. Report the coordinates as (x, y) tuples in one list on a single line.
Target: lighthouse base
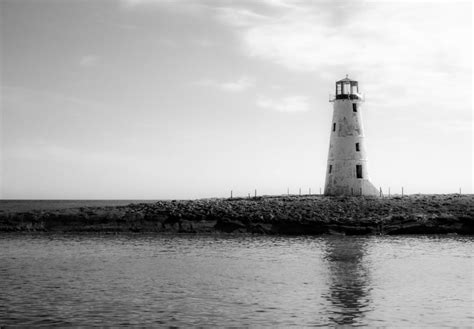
[(350, 187)]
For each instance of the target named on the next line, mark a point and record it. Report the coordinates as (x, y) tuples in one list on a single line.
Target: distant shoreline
[(286, 215)]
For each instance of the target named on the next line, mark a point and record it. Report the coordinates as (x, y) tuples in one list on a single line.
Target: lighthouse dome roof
[(346, 79)]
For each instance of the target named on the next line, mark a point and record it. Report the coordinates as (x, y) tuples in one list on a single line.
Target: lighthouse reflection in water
[(181, 280), (349, 287)]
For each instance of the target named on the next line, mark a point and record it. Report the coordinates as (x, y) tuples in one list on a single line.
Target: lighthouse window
[(338, 88), (330, 168), (354, 107), (347, 88), (334, 126), (357, 147), (354, 89), (359, 171)]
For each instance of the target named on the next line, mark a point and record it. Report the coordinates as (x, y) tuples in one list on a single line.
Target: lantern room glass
[(347, 88)]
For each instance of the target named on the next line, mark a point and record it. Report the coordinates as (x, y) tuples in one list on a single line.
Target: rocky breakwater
[(415, 214)]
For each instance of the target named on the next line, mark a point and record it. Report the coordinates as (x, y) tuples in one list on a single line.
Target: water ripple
[(154, 280)]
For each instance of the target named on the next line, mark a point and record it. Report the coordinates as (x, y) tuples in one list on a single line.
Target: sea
[(14, 206), (222, 280)]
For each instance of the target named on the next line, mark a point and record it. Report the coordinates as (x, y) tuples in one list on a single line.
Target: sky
[(157, 99)]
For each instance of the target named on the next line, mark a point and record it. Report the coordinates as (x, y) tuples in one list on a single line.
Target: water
[(174, 280), (12, 206)]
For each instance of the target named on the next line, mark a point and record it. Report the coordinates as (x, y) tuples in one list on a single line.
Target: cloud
[(364, 35), (311, 37), (239, 85), (289, 104), (171, 4), (407, 49), (88, 60), (133, 3), (239, 17)]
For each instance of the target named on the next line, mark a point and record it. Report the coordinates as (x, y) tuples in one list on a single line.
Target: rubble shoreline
[(277, 215)]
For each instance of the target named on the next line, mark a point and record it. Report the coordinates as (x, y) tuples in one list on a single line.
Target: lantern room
[(347, 89)]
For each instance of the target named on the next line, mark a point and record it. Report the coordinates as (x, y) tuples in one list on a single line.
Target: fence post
[(310, 191), (402, 191), (380, 189), (255, 192), (288, 191), (389, 192), (231, 194), (300, 191)]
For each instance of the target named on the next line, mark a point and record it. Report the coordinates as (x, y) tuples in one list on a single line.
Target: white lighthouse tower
[(346, 173)]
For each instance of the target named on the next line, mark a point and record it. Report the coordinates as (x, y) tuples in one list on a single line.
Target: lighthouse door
[(359, 171)]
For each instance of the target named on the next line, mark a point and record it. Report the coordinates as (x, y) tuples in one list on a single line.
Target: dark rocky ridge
[(415, 214)]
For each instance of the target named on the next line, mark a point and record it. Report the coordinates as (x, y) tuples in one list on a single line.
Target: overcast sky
[(189, 99)]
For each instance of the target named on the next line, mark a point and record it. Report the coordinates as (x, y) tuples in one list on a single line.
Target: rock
[(418, 214), (228, 225)]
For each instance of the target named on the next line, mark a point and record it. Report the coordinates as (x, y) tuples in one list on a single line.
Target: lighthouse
[(347, 172)]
